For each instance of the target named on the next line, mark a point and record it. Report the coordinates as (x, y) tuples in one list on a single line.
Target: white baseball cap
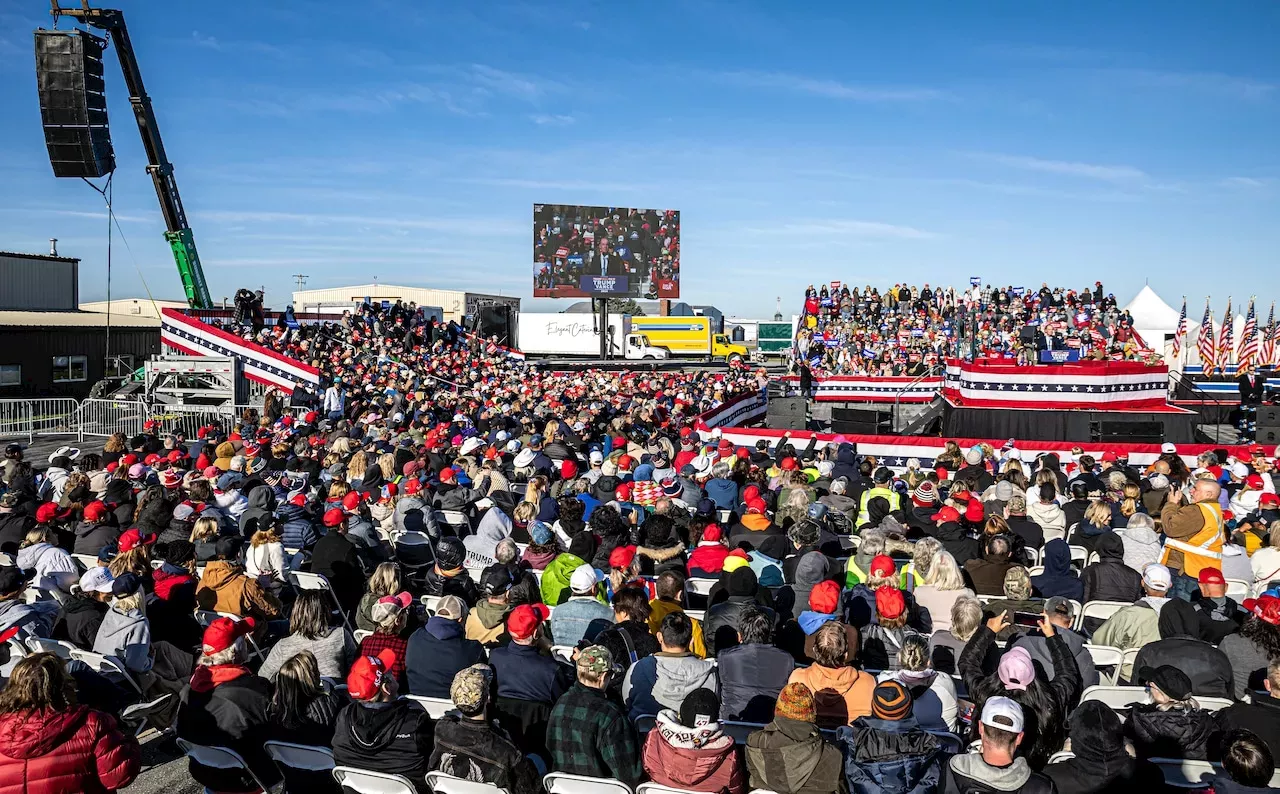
[(97, 579), (1157, 577), (1239, 470), (1169, 448), (583, 579), (1002, 713), (597, 457)]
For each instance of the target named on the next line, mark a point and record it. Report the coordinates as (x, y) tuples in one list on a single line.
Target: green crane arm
[(178, 234)]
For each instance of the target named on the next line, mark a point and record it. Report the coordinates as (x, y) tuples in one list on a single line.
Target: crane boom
[(178, 231)]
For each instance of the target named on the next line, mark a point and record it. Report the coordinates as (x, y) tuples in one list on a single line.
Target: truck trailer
[(578, 336)]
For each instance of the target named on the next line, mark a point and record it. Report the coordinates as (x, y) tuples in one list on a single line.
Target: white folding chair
[(1238, 589), (360, 634), (306, 580), (699, 585), (1035, 570), (562, 783), (435, 707), (60, 648), (563, 653), (1182, 773), (414, 551), (1035, 555), (456, 520), (88, 561), (448, 784), (366, 781), (1118, 698), (657, 788), (699, 615), (220, 758), (105, 665), (1079, 555), (292, 759), (431, 602), (1098, 609), (723, 516), (1212, 703), (1060, 756), (1093, 557), (1106, 656)]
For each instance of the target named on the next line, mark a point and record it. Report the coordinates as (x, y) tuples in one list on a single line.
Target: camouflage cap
[(470, 689), (595, 661), (10, 499)]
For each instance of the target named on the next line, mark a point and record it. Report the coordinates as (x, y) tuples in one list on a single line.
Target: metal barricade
[(188, 419), (55, 416), (15, 419), (100, 418)]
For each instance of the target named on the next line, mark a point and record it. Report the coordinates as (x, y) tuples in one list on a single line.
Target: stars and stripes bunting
[(1116, 385), (1205, 346), (1248, 339), (192, 337)]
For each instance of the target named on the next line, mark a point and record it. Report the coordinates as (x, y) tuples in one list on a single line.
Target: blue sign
[(1059, 356), (975, 280), (575, 259), (1019, 290), (603, 284)]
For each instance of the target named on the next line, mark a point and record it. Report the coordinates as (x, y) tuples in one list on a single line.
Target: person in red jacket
[(689, 751), (707, 559), (49, 745)]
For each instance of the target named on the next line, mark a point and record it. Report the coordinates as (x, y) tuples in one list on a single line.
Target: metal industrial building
[(47, 347), (455, 303)]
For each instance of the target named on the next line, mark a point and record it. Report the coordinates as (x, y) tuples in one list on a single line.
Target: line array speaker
[(73, 103)]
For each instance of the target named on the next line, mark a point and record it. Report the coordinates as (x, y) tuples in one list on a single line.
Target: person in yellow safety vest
[(1193, 532), (881, 480), (858, 568)]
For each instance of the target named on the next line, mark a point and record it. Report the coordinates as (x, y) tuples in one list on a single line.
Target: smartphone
[(1029, 619)]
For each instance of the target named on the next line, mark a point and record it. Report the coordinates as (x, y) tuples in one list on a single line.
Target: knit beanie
[(795, 702), (700, 707), (890, 701)]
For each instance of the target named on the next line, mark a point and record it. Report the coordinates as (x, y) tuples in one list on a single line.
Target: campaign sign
[(975, 280), (603, 284), (1059, 356)]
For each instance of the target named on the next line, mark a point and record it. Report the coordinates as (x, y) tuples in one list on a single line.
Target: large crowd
[(452, 564), (907, 330)]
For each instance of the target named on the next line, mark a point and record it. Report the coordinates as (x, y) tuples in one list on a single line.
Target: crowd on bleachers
[(907, 330), (537, 576)]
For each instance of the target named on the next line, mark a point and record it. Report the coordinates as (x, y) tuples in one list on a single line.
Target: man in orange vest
[(1193, 535)]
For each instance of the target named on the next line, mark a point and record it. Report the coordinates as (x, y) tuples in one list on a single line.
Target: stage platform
[(1149, 426)]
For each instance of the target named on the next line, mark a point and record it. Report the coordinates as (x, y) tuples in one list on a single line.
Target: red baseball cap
[(825, 597), (95, 511), (447, 474), (1108, 457), (787, 464), (890, 602), (334, 517), (743, 453), (947, 513), (412, 486), (129, 460), (1266, 607), (622, 556), (298, 500), (711, 533), (625, 462), (151, 459), (1254, 482), (1211, 576), (351, 502), (525, 619), (1268, 499), (568, 470), (974, 511), (222, 633), (368, 674), (211, 472), (133, 538), (882, 566), (49, 512), (756, 505)]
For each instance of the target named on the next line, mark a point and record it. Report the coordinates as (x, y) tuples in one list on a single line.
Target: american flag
[(1182, 330), (1226, 342), (1248, 339), (1269, 338), (1204, 343)]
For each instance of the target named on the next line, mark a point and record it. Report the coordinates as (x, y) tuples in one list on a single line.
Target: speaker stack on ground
[(1268, 431), (861, 421), (73, 103), (787, 413), (1109, 431)]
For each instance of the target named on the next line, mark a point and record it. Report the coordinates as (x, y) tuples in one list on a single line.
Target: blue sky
[(803, 142)]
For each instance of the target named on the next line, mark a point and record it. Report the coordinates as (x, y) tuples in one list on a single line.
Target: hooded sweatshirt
[(1110, 579), (482, 546), (259, 513), (1101, 763), (1049, 516), (694, 759), (127, 637), (395, 737), (1058, 579), (662, 680), (1180, 645), (968, 772), (841, 694), (791, 757), (55, 570), (486, 623)]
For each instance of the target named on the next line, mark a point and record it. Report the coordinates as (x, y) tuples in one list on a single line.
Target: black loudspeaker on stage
[(1130, 431), (787, 413), (73, 103)]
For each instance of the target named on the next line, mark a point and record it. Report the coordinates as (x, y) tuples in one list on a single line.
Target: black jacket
[(524, 674), (81, 617), (91, 538), (396, 737), (984, 478), (751, 676), (234, 714), (1262, 716), (1031, 533), (1110, 579), (1101, 764), (1177, 733), (642, 643), (463, 586), (482, 752), (13, 529), (436, 653), (1206, 666), (315, 727), (336, 558), (957, 541), (720, 628)]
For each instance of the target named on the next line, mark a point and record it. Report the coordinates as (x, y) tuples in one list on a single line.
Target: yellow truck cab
[(687, 337)]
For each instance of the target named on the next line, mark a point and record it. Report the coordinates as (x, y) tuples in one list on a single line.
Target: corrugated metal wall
[(35, 348), (38, 284)]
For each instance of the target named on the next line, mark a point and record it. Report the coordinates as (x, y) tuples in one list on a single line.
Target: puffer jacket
[(890, 756), (78, 749), (662, 680), (751, 676), (299, 527), (1101, 764), (1180, 645), (555, 578), (1176, 733), (692, 759), (791, 757), (1142, 547), (227, 706), (1110, 579)]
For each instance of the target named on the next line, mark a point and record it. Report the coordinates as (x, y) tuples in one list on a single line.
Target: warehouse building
[(454, 304), (49, 348)]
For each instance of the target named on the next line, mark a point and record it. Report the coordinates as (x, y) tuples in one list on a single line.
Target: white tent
[(1155, 320)]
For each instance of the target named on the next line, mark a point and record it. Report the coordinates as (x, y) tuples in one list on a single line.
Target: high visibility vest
[(1203, 549), (853, 575), (894, 498)]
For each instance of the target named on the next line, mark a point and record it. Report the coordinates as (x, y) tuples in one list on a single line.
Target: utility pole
[(300, 279)]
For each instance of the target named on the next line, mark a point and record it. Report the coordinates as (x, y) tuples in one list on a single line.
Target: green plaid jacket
[(589, 734)]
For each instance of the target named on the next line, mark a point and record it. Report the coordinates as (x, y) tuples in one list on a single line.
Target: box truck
[(686, 337), (578, 336)]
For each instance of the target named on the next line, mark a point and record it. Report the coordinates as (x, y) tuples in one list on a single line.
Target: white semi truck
[(578, 336)]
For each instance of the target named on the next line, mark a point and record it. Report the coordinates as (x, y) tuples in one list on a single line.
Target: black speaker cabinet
[(73, 103)]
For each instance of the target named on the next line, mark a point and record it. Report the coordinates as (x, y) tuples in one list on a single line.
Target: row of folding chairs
[(1122, 698)]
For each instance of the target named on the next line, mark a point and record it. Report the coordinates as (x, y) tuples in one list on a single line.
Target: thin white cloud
[(1107, 173), (839, 227), (239, 47), (831, 89), (1248, 182), (1214, 83), (457, 226), (552, 119)]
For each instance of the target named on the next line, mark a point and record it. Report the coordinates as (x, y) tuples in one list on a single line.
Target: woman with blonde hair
[(538, 493), (125, 633), (204, 536), (337, 490), (356, 468), (1095, 524), (385, 581), (923, 552), (1047, 477), (117, 447), (1130, 503), (54, 568), (943, 586), (264, 560), (387, 463)]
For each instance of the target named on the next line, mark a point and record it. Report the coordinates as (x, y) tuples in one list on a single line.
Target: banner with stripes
[(1097, 385), (737, 411), (192, 337), (855, 388)]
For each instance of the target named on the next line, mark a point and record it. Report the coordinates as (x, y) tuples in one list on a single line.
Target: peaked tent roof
[(1150, 311)]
